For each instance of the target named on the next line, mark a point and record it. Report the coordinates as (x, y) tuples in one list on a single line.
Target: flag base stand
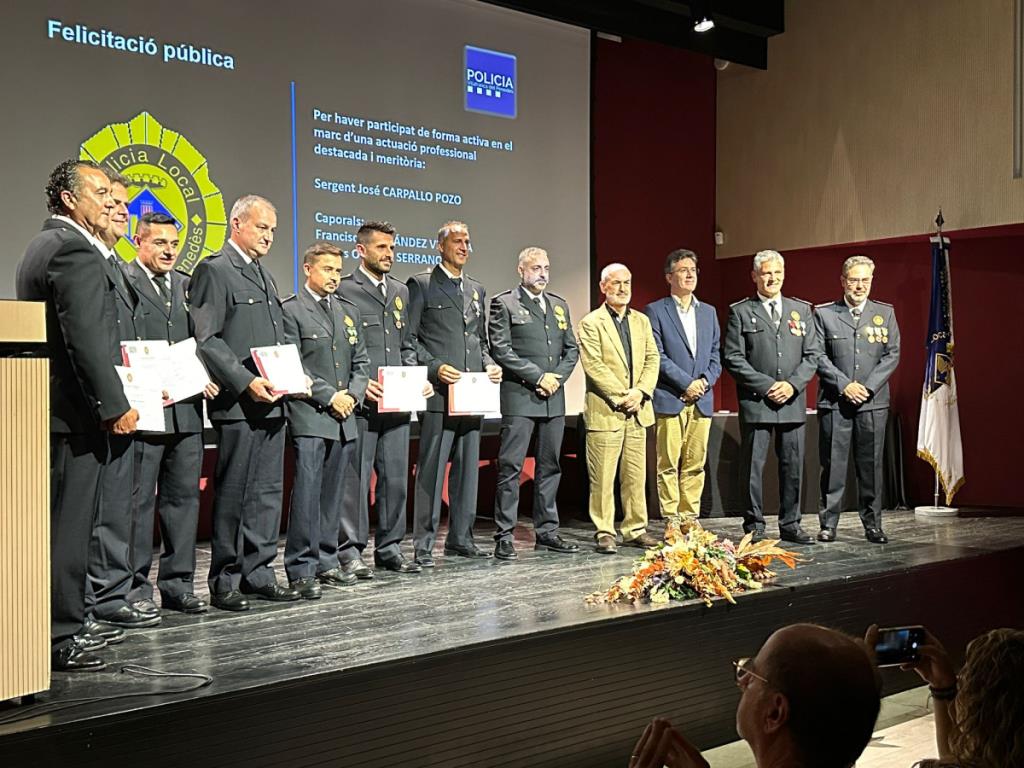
[(936, 511)]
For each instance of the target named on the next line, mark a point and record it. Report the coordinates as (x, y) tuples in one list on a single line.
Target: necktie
[(774, 313), (536, 300), (161, 289), (255, 265), (384, 291), (458, 284), (325, 305), (856, 314)]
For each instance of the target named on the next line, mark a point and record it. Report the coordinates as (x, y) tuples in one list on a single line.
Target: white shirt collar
[(452, 276), (93, 240), (376, 283), (765, 302), (245, 257), (152, 275), (693, 303), (851, 307), (314, 294), (531, 296)]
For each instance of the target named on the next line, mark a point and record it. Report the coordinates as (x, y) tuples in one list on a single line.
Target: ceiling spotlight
[(703, 23)]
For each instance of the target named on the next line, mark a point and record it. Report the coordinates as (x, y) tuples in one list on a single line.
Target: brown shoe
[(606, 544), (644, 541)]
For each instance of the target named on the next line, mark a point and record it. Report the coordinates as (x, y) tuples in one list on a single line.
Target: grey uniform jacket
[(384, 324), (445, 328), (867, 352), (528, 343), (334, 356), (60, 267), (155, 320), (232, 314), (757, 355)]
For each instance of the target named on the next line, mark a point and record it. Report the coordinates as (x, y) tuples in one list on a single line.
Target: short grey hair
[(762, 257), (615, 267), (859, 260), (530, 254), (244, 204), (448, 227)]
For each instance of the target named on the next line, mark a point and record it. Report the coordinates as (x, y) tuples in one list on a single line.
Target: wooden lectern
[(24, 500)]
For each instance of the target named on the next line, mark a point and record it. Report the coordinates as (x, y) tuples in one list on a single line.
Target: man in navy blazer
[(687, 335)]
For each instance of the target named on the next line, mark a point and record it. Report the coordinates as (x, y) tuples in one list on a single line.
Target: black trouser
[(837, 429), (110, 567), (384, 447), (789, 450), (167, 467), (516, 432), (76, 468), (314, 517), (247, 503), (444, 437)]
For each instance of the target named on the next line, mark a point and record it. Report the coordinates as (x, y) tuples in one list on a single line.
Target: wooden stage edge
[(499, 664)]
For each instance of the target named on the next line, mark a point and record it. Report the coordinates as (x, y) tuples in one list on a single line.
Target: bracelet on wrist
[(943, 694)]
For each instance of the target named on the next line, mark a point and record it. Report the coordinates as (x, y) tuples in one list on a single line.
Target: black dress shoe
[(113, 635), (470, 550), (796, 536), (505, 550), (186, 602), (308, 589), (273, 592), (146, 606), (89, 643), (756, 535), (128, 617), (606, 544), (71, 658), (424, 560), (357, 568), (555, 543), (336, 578), (229, 601), (396, 564), (876, 536), (827, 534)]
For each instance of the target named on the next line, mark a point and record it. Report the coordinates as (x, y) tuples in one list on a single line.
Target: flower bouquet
[(694, 563)]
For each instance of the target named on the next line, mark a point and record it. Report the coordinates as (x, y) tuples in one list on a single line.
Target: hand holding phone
[(897, 646)]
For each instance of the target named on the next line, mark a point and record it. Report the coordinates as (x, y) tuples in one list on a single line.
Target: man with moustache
[(326, 329), (862, 349), (167, 466), (383, 441), (532, 340), (686, 332), (771, 350), (235, 307), (620, 359), (111, 570), (64, 267), (448, 334)]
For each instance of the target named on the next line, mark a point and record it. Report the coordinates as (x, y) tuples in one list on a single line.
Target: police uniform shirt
[(536, 298), (772, 307)]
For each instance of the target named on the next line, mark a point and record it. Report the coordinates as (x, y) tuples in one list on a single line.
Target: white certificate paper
[(148, 355), (403, 388), (282, 365), (144, 392), (474, 395), (188, 377)]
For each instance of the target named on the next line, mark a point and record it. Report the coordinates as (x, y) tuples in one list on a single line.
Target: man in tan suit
[(620, 360)]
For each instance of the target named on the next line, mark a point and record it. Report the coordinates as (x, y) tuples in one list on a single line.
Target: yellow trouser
[(624, 450), (682, 450)]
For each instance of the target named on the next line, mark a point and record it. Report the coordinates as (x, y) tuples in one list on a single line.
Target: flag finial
[(939, 221)]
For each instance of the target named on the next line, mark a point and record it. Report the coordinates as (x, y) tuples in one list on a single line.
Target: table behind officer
[(687, 334), (327, 330), (235, 307), (383, 441), (862, 349), (533, 342), (168, 465), (64, 267), (621, 361), (448, 334), (771, 350)]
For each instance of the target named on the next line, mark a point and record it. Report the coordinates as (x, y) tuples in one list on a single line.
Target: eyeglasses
[(858, 280), (742, 670)]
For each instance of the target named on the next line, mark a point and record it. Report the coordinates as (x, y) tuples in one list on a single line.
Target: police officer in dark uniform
[(532, 340), (448, 334), (327, 330), (235, 307), (862, 349), (383, 304), (771, 349), (168, 465)]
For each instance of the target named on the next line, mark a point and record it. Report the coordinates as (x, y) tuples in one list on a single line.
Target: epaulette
[(503, 293), (289, 297), (341, 298), (825, 304), (737, 303), (802, 301), (883, 303), (554, 296)]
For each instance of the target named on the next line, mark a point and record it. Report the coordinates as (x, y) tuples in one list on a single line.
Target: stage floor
[(454, 607)]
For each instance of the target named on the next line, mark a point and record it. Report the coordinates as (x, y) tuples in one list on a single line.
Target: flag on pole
[(938, 431)]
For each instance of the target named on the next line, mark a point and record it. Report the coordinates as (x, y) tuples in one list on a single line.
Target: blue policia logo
[(490, 82)]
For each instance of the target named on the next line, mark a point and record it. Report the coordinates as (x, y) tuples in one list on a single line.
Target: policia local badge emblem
[(167, 174)]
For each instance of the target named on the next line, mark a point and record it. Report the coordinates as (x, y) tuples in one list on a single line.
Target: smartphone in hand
[(899, 645)]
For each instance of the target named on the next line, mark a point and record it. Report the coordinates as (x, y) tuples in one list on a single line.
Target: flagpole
[(939, 510)]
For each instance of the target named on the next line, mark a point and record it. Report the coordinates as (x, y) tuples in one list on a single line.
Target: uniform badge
[(560, 319), (796, 326), (398, 302), (398, 317), (795, 315), (349, 322), (877, 320), (870, 333)]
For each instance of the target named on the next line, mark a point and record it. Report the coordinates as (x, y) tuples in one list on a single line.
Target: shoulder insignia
[(801, 301), (825, 304), (881, 303), (289, 297), (502, 293), (554, 296), (741, 301)]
